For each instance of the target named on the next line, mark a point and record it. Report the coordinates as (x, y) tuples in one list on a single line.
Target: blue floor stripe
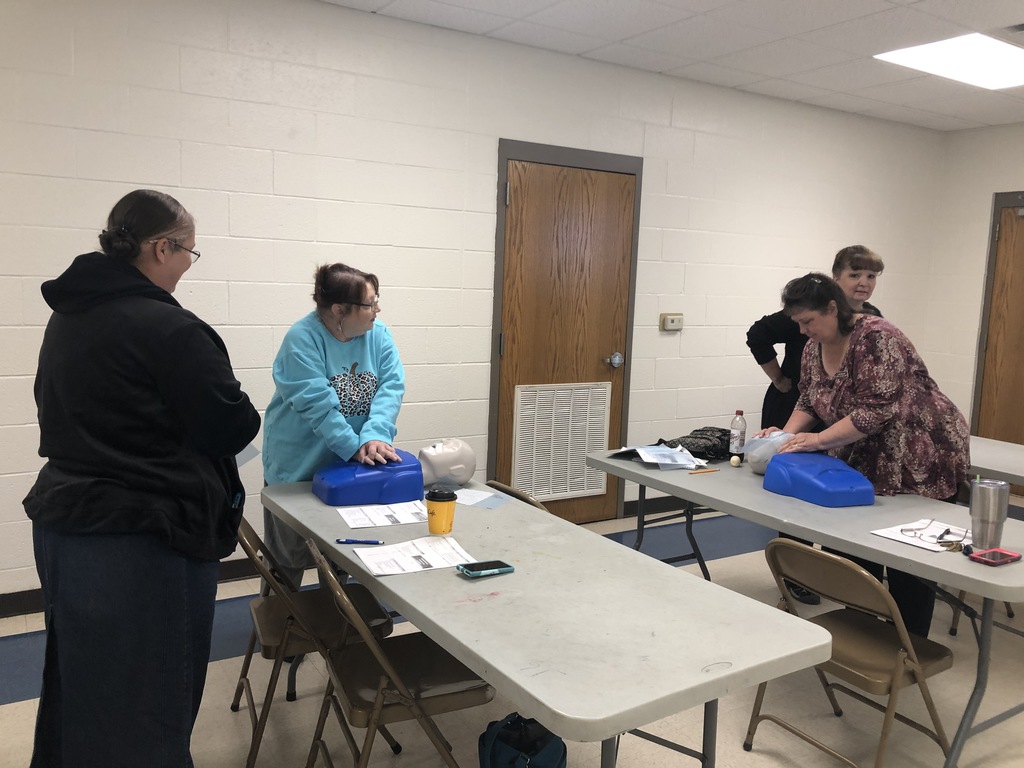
[(21, 662), (720, 536)]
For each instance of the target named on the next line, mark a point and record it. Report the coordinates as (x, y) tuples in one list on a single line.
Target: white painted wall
[(298, 133)]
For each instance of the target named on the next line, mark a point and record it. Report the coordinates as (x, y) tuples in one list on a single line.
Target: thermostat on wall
[(670, 321)]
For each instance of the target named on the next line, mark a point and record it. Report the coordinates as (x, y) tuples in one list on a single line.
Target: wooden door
[(565, 298), (998, 412)]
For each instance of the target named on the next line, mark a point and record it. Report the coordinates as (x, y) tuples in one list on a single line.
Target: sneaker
[(802, 595)]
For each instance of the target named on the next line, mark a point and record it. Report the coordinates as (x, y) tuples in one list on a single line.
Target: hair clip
[(816, 280)]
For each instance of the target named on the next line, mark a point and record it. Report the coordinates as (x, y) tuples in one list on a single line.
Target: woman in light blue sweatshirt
[(339, 387)]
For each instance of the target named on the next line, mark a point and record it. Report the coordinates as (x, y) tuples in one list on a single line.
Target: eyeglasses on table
[(931, 532)]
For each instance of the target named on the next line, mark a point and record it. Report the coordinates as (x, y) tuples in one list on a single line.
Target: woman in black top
[(140, 419), (855, 268)]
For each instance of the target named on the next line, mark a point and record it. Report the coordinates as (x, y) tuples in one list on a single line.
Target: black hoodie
[(140, 414)]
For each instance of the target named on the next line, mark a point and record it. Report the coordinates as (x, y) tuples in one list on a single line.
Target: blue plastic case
[(351, 484), (818, 478)]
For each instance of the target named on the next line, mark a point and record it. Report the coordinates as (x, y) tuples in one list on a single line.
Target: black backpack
[(703, 443), (515, 742)]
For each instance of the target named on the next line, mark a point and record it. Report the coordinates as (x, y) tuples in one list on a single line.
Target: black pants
[(128, 626)]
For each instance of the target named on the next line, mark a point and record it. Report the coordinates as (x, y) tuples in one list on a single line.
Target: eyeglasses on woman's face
[(195, 254), (176, 244), (374, 305)]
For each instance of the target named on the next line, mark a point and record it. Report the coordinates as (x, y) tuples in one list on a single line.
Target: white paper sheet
[(412, 556), (375, 515), (662, 455), (924, 527), (470, 496)]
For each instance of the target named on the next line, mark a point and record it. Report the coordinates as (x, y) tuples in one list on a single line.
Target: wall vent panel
[(556, 426)]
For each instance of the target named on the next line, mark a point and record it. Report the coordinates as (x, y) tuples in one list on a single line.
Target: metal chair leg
[(293, 669)]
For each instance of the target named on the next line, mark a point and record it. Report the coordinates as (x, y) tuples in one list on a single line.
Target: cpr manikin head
[(449, 461)]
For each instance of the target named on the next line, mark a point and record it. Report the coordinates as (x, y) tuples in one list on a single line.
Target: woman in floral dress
[(883, 413)]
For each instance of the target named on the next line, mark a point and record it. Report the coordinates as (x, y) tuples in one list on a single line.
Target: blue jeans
[(128, 626)]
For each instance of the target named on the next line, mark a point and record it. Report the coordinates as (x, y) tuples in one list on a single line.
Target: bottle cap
[(739, 413)]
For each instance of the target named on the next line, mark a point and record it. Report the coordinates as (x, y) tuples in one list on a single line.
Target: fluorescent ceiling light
[(973, 59)]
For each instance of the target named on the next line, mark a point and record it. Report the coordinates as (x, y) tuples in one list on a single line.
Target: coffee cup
[(990, 500), (440, 510)]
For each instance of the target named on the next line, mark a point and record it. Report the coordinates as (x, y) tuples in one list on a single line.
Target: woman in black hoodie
[(140, 418)]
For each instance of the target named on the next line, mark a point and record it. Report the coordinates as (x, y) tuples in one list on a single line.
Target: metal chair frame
[(289, 623), (439, 684), (871, 647), (515, 493)]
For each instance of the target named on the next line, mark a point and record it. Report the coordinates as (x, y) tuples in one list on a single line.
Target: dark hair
[(815, 291), (142, 215), (341, 284), (856, 257)]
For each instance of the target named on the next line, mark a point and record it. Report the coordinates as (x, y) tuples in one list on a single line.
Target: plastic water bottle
[(737, 435)]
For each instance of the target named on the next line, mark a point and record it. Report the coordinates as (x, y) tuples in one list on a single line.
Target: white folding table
[(738, 491), (560, 636), (997, 460)]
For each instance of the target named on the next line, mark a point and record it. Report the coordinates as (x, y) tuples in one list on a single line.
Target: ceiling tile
[(700, 37), (783, 57), (851, 75), (447, 16), (784, 89), (844, 101), (695, 6), (608, 19), (370, 6), (548, 38), (978, 15), (885, 31), (920, 88), (512, 9), (795, 16), (630, 56), (706, 72)]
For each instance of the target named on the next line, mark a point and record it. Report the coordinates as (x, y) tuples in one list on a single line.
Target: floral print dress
[(917, 440)]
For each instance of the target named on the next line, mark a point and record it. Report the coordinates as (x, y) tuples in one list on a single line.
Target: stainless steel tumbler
[(990, 500)]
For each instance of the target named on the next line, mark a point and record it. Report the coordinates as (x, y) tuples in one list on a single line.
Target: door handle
[(615, 360)]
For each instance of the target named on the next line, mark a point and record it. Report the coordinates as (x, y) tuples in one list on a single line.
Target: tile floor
[(221, 737)]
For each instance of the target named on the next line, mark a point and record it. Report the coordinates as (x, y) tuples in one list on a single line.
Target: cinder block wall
[(299, 132)]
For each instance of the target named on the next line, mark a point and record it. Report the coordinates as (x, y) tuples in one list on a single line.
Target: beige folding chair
[(289, 623), (871, 648), (515, 493), (398, 678)]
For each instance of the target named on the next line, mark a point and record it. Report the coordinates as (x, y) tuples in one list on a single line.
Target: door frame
[(1000, 200), (546, 154)]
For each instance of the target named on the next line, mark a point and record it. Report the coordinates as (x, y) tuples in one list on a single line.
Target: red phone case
[(1003, 556)]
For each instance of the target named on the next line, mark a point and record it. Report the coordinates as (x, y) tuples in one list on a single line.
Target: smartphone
[(994, 556), (485, 568)]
